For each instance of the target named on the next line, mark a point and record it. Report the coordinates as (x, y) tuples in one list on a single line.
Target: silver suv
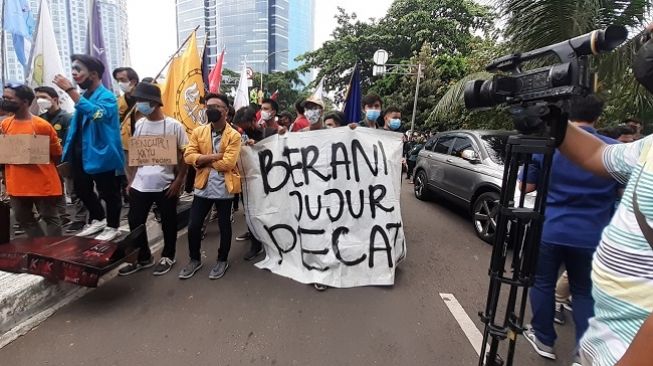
[(465, 167)]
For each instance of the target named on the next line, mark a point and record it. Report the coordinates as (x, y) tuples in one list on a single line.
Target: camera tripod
[(519, 228)]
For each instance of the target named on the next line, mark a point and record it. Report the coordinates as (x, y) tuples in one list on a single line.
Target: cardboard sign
[(326, 205), (153, 150), (24, 149)]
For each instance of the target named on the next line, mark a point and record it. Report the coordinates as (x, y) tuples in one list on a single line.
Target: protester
[(579, 205), (269, 110), (334, 119), (213, 151), (127, 79), (245, 119), (372, 105), (93, 146), (285, 119), (392, 119), (411, 158), (156, 183), (621, 330), (313, 110), (32, 186), (636, 125), (47, 100), (300, 122), (622, 133)]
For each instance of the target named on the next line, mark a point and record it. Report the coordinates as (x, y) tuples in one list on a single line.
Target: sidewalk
[(27, 300)]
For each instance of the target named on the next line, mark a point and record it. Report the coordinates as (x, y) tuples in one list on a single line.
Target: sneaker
[(243, 237), (253, 253), (164, 266), (559, 316), (219, 270), (190, 269), (320, 287), (132, 268), (93, 228), (108, 234), (539, 347), (75, 227)]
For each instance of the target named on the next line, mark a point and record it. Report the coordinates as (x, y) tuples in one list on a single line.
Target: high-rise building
[(268, 34), (70, 23)]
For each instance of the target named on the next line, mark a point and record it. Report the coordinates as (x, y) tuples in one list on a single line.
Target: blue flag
[(354, 98), (20, 22), (95, 43)]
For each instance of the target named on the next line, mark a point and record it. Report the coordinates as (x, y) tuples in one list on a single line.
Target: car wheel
[(484, 213), (421, 190)]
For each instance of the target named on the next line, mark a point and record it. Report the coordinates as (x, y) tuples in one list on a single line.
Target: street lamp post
[(268, 59), (381, 68)]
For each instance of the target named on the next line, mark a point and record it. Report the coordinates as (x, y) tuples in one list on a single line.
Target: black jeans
[(139, 208), (411, 167), (198, 211), (107, 185)]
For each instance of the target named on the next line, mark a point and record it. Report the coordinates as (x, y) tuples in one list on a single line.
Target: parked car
[(465, 167)]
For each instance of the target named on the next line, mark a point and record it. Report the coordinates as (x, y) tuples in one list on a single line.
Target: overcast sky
[(152, 29)]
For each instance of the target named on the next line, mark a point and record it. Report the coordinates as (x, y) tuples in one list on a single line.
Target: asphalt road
[(253, 317)]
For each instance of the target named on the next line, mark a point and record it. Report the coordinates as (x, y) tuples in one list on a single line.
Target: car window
[(496, 147), (443, 144), (461, 144), (430, 143)]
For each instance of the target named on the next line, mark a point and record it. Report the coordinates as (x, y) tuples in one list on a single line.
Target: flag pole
[(131, 111)]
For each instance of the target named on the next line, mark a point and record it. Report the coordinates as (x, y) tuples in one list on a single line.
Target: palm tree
[(531, 24)]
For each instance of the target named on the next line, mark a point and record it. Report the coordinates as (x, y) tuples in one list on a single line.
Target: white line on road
[(466, 324)]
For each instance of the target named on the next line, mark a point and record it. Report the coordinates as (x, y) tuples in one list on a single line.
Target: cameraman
[(621, 332)]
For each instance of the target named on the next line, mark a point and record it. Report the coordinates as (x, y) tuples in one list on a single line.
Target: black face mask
[(213, 115), (11, 107), (86, 84)]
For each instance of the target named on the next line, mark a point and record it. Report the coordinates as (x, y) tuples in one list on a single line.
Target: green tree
[(447, 25)]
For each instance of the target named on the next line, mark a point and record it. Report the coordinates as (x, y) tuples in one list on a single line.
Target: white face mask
[(44, 104), (126, 87), (266, 115), (313, 115)]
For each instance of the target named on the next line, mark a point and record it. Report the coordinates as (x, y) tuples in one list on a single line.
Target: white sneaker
[(93, 228), (108, 234)]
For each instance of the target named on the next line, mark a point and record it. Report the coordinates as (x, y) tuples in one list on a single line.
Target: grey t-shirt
[(157, 178)]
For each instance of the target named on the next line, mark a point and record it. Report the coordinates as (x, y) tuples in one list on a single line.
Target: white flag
[(45, 61), (242, 95)]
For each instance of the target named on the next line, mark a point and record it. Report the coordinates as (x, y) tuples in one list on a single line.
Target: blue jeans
[(578, 262)]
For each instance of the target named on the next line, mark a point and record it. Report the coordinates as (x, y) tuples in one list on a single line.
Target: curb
[(27, 300)]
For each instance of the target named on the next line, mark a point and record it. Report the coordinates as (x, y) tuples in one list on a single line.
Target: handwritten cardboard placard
[(326, 205), (24, 149), (153, 150)]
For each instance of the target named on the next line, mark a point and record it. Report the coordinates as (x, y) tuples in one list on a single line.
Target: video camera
[(561, 81)]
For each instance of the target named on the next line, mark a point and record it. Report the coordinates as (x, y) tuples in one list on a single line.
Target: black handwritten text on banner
[(326, 205)]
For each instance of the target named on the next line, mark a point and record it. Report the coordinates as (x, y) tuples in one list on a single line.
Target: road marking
[(466, 324)]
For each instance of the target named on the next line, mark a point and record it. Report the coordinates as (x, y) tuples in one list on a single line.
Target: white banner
[(326, 205)]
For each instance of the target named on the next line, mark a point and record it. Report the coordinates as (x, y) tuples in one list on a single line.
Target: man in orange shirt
[(32, 185)]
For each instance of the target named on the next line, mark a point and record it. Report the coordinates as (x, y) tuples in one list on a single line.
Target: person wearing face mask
[(313, 110), (269, 110), (48, 101), (127, 79), (31, 186), (392, 119), (213, 151), (93, 147), (156, 183), (372, 105)]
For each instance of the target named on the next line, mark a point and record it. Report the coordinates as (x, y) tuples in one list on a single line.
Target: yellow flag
[(184, 88)]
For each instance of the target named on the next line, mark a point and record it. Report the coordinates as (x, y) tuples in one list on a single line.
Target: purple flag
[(95, 43)]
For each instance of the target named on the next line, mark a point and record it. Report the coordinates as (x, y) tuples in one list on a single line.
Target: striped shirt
[(622, 270)]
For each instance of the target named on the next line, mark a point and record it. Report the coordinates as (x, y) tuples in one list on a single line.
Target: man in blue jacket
[(93, 147)]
